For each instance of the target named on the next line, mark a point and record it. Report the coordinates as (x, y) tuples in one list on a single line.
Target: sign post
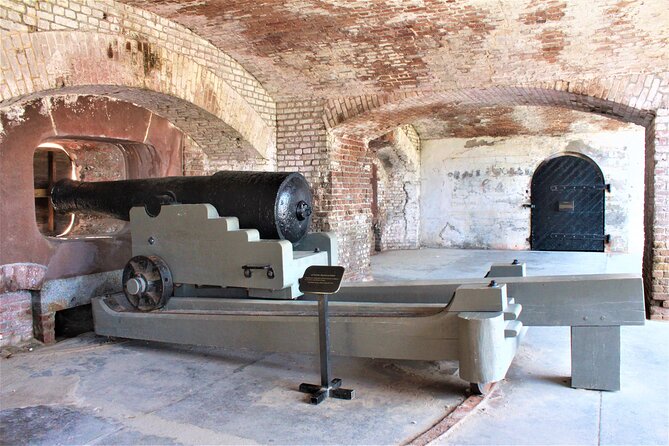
[(321, 281)]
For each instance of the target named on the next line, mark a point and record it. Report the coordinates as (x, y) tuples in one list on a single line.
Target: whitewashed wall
[(473, 189)]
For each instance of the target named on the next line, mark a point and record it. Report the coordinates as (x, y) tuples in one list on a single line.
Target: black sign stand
[(322, 281)]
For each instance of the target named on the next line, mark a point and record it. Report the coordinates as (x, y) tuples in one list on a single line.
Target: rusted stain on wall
[(151, 57), (478, 142)]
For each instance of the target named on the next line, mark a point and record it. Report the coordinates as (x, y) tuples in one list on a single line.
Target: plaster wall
[(473, 190)]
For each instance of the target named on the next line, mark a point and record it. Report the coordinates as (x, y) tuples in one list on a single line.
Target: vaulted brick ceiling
[(331, 48), (473, 122)]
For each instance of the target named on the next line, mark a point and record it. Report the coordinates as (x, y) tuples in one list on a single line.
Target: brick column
[(656, 221), (17, 281), (340, 176), (349, 204), (44, 323), (301, 145), (16, 322)]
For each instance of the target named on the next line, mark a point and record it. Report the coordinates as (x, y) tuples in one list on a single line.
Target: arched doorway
[(568, 205)]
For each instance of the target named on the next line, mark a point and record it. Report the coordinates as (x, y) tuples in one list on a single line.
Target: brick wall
[(88, 46), (343, 75), (16, 318), (656, 255), (397, 157), (628, 98), (301, 49), (301, 145), (348, 204), (339, 173)]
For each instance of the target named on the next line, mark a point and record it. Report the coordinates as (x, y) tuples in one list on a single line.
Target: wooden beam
[(51, 224)]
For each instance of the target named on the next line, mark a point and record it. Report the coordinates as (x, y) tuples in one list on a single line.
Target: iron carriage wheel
[(147, 282)]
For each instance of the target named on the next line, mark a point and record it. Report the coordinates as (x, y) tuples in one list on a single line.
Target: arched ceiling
[(473, 122), (330, 48)]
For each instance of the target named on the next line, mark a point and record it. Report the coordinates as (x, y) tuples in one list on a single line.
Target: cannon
[(246, 232), (277, 204)]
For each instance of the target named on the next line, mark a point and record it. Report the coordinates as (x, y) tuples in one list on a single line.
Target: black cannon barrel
[(277, 204)]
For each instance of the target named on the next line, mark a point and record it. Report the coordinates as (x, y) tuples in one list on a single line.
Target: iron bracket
[(248, 270)]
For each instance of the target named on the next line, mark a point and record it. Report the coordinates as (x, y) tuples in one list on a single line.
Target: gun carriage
[(217, 262)]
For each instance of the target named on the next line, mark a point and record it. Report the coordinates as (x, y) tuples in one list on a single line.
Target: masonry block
[(16, 322)]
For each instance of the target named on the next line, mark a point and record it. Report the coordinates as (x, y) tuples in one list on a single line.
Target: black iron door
[(568, 205)]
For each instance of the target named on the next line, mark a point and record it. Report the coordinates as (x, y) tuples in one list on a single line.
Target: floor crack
[(599, 421)]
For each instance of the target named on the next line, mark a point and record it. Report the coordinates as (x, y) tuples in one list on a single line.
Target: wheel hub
[(147, 282)]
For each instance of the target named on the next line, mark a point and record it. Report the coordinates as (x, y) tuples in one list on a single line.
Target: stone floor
[(90, 391)]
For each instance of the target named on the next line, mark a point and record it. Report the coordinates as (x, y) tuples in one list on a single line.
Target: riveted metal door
[(568, 205)]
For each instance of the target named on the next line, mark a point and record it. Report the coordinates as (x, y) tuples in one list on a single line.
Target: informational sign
[(322, 279)]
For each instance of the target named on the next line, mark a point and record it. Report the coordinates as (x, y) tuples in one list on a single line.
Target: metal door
[(568, 205)]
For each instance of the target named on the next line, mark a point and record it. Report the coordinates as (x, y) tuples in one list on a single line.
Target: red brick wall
[(301, 145), (16, 318), (656, 255), (194, 99), (339, 176), (348, 204), (329, 49), (141, 34)]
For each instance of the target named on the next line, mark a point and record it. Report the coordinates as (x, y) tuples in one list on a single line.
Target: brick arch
[(152, 76), (628, 98), (213, 141), (112, 17)]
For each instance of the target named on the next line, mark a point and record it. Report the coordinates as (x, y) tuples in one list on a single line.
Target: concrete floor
[(89, 390), (86, 391), (535, 406), (429, 263)]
